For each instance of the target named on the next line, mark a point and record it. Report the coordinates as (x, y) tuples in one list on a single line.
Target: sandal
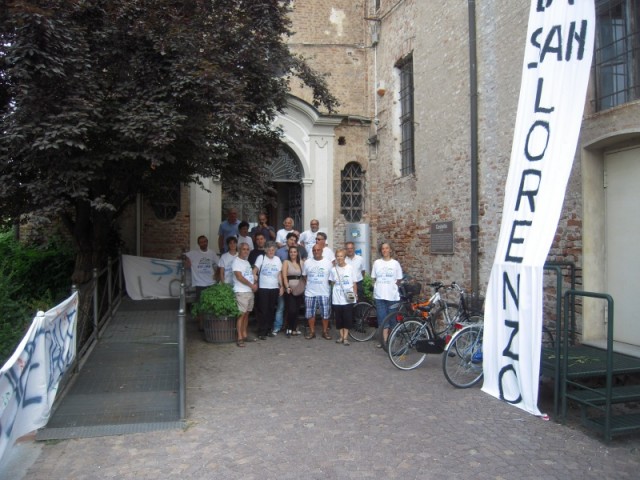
[(339, 340), (346, 342), (311, 336), (326, 335), (240, 343)]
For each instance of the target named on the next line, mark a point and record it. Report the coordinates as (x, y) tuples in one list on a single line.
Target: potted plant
[(219, 311), (367, 286)]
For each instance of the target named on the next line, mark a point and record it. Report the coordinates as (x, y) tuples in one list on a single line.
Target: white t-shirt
[(203, 266), (248, 240), (244, 267), (386, 274), (308, 239), (269, 269), (281, 236), (328, 254), (343, 282), (226, 262), (317, 273), (357, 263)]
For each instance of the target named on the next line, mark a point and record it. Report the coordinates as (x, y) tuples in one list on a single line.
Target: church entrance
[(284, 198)]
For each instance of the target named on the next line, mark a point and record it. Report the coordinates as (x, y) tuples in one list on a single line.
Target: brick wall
[(167, 238)]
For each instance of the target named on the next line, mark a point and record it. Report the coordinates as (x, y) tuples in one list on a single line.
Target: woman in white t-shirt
[(386, 273), (267, 269), (342, 278), (225, 264)]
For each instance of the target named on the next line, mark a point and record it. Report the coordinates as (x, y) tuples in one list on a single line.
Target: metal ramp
[(130, 382)]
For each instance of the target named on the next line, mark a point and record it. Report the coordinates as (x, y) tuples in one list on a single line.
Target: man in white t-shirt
[(244, 286), (327, 253), (203, 263), (308, 237), (281, 236), (357, 264), (317, 291)]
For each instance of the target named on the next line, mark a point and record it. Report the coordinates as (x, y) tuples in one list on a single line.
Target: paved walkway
[(299, 409)]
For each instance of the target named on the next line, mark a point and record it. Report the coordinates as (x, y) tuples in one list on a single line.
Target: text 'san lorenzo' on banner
[(555, 75)]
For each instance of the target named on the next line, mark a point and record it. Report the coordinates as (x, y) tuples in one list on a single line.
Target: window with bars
[(352, 192), (617, 59), (166, 204), (405, 68)]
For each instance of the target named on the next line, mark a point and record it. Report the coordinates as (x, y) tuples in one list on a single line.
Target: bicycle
[(408, 290), (462, 359), (414, 337), (365, 322)]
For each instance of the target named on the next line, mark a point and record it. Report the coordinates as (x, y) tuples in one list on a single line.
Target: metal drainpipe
[(473, 98)]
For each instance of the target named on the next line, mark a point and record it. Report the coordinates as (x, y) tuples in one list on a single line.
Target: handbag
[(349, 296)]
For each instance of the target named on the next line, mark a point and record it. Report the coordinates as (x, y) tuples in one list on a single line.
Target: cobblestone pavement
[(313, 409)]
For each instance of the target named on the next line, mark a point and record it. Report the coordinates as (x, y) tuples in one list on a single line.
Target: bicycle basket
[(431, 345), (475, 303), (410, 290)]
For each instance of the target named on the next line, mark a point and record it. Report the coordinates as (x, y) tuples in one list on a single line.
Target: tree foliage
[(103, 99)]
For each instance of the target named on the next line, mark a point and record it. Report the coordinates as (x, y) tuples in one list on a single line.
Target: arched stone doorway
[(282, 200), (286, 175)]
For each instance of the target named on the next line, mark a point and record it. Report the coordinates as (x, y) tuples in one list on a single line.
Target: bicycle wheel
[(364, 322), (388, 322), (401, 346), (462, 359), (442, 322)]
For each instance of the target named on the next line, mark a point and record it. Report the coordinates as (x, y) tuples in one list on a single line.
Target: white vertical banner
[(29, 379), (555, 76)]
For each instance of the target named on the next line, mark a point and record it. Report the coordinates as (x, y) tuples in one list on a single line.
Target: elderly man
[(357, 264), (317, 291), (281, 236), (308, 237)]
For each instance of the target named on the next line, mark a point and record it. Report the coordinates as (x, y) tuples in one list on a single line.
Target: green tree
[(103, 99)]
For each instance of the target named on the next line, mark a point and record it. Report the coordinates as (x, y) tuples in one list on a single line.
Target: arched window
[(351, 192), (166, 204)]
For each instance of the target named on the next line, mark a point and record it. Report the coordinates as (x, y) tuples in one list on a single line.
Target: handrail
[(609, 355), (182, 374)]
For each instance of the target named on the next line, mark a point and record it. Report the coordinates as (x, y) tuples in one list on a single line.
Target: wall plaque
[(442, 237)]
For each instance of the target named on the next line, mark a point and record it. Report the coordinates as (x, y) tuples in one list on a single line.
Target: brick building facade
[(370, 48)]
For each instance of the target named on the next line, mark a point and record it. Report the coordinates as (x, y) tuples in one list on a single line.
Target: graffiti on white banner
[(29, 379), (554, 81), (147, 278)]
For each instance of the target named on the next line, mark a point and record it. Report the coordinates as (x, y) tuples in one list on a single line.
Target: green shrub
[(367, 285), (32, 278), (217, 300)]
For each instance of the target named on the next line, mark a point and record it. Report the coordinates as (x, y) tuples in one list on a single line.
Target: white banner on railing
[(149, 278), (29, 379), (555, 75)]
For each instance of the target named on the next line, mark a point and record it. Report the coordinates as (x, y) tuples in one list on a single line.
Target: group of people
[(272, 275)]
